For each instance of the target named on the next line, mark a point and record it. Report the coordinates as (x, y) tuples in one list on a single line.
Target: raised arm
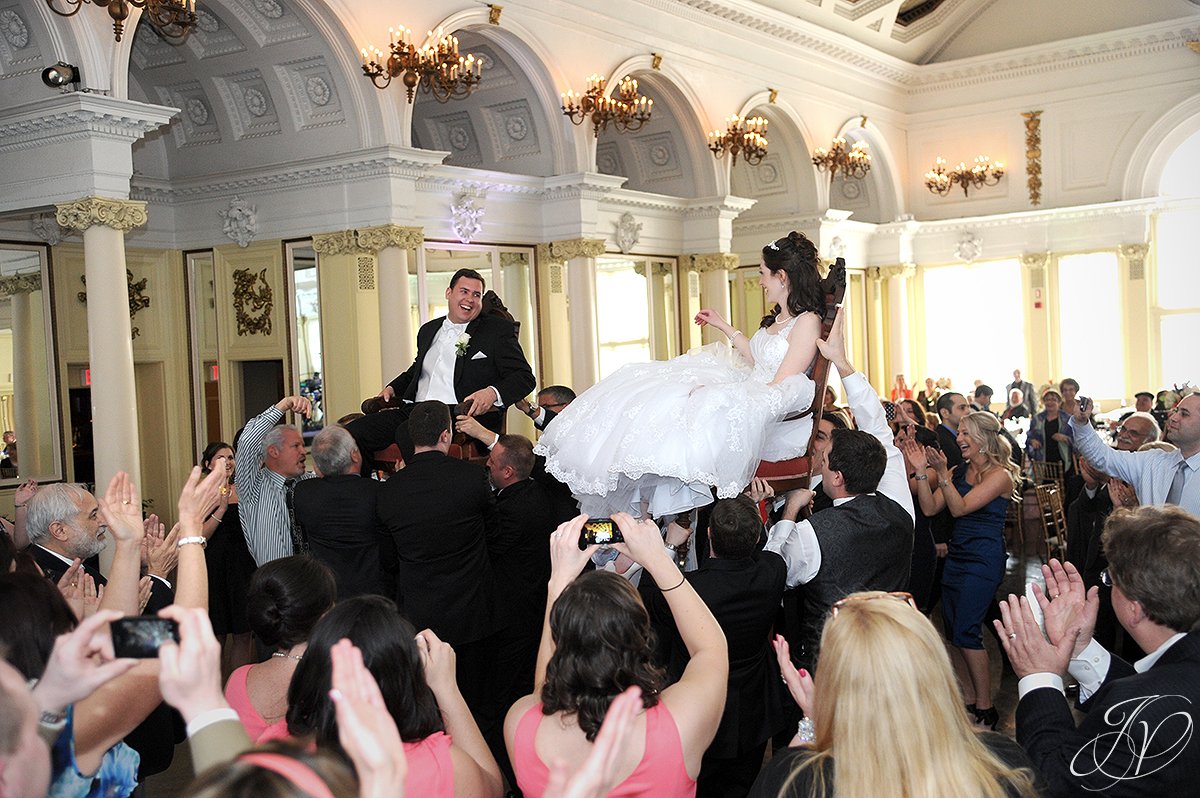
[(697, 700), (121, 509), (1122, 465)]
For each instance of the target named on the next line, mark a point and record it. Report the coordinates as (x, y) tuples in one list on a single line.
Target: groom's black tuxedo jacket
[(1138, 737), (494, 357)]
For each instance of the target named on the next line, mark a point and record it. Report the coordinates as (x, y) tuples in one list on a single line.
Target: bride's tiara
[(774, 245)]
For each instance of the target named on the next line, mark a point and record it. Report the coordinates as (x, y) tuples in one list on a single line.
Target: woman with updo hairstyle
[(286, 599), (655, 439), (883, 718), (977, 494), (446, 753), (229, 564)]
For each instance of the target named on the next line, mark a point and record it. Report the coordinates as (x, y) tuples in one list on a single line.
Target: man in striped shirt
[(270, 460)]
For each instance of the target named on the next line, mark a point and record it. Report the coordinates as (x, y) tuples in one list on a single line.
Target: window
[(1091, 328), (636, 316), (974, 326), (1178, 305)]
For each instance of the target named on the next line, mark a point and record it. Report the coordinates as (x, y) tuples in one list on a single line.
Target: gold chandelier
[(854, 161), (437, 68), (983, 172), (625, 110), (742, 136), (172, 19)]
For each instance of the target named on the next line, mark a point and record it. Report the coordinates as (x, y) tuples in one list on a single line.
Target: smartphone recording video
[(140, 638), (601, 532)]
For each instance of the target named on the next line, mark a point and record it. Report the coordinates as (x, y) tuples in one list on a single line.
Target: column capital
[(714, 261), (20, 284), (374, 239), (343, 242), (1035, 260), (898, 270), (563, 251), (1135, 256), (122, 215), (657, 269), (873, 273)]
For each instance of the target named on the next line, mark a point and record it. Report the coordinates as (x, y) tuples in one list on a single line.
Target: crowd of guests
[(449, 631)]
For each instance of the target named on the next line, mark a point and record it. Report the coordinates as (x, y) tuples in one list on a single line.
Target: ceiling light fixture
[(625, 110), (940, 180), (742, 136), (172, 19), (436, 69)]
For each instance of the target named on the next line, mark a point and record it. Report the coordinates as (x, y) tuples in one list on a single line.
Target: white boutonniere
[(460, 346)]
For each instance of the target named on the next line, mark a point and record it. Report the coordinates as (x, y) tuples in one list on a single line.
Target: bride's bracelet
[(735, 334)]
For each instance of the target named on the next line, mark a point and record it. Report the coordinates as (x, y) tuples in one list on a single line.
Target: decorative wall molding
[(20, 284), (1033, 155), (123, 215), (373, 239), (239, 221), (714, 261), (1135, 256), (900, 270), (1035, 260), (137, 299), (253, 301), (72, 116), (466, 216), (342, 242), (563, 251), (47, 228), (968, 248), (628, 232)]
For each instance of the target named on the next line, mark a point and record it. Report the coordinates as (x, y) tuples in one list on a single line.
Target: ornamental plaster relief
[(123, 215)]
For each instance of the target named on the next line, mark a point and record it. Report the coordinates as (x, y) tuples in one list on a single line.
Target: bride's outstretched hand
[(709, 316), (833, 348)]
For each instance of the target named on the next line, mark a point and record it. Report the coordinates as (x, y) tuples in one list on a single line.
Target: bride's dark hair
[(795, 256)]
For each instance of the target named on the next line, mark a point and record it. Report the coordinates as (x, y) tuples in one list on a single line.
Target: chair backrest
[(1044, 472), (1054, 519), (834, 288)]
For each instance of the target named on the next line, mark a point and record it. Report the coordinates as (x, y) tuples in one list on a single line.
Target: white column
[(713, 269), (110, 345), (899, 340), (585, 342), (29, 374), (392, 243)]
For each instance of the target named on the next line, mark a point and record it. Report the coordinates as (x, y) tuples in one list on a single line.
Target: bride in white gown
[(656, 438)]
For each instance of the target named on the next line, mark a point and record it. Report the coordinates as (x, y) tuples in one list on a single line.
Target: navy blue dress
[(974, 567)]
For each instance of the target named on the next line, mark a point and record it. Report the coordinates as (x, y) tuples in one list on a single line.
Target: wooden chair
[(786, 475), (1054, 520), (1014, 527), (1051, 473)]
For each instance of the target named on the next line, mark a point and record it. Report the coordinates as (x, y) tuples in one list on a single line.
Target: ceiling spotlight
[(60, 75)]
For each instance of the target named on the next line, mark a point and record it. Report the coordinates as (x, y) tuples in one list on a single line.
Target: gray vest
[(866, 544)]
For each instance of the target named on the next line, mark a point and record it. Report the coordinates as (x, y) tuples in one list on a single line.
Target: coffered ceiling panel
[(19, 52), (196, 124), (248, 103)]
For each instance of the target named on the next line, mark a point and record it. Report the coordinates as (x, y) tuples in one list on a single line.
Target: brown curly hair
[(603, 644), (795, 256)]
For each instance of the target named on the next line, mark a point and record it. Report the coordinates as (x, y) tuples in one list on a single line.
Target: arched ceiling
[(784, 183), (256, 84), (932, 31), (500, 126)]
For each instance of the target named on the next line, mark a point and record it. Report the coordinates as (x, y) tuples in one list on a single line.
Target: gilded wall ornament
[(137, 300), (1033, 155), (253, 302)]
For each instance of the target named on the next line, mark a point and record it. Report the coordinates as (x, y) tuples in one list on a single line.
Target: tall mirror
[(306, 317), (29, 399), (206, 374)]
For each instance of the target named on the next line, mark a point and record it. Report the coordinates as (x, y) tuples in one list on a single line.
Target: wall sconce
[(60, 76), (742, 136), (940, 180)]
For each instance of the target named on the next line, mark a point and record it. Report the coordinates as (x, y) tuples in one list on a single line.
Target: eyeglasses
[(897, 595), (554, 404), (1106, 578)]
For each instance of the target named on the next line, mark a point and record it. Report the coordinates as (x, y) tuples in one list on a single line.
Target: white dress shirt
[(1090, 668), (797, 542), (1150, 472), (437, 370)]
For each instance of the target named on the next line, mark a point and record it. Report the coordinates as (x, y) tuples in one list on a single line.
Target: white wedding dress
[(664, 434)]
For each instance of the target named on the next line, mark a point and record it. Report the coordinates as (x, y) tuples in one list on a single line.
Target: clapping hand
[(1122, 494), (937, 461), (121, 509), (81, 593), (799, 683), (163, 552), (24, 492), (440, 665), (200, 495), (598, 775), (1070, 605), (915, 455), (366, 729), (1026, 646)]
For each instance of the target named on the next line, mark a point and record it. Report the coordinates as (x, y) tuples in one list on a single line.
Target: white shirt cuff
[(1090, 668), (498, 402), (1036, 681), (206, 719)]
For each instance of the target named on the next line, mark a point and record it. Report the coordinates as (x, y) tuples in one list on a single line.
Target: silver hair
[(56, 502), (332, 450), (1155, 430), (275, 438)]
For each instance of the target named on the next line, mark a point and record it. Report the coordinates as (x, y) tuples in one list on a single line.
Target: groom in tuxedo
[(462, 357)]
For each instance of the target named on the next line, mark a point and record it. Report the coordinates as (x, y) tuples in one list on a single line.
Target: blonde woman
[(883, 731), (977, 494)]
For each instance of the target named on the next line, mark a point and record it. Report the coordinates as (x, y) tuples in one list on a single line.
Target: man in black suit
[(462, 357), (337, 514), (1137, 737), (550, 402), (440, 513), (742, 585)]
